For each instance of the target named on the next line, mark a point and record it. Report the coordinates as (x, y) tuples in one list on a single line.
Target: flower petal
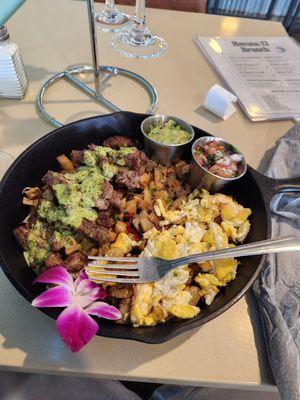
[(90, 290), (58, 296), (76, 327), (57, 275), (103, 310), (82, 275)]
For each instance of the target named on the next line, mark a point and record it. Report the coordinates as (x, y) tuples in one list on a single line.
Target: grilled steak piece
[(138, 161), (77, 156), (53, 178), (107, 189), (124, 307), (94, 231), (128, 179), (57, 245), (21, 234), (110, 198), (53, 260), (105, 220), (115, 200), (121, 291), (48, 193), (115, 142), (103, 202), (195, 293), (146, 162), (75, 262)]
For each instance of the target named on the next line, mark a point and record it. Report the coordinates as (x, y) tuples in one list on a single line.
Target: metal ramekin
[(202, 178), (165, 154)]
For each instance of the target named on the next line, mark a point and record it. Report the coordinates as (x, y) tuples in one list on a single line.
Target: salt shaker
[(13, 77)]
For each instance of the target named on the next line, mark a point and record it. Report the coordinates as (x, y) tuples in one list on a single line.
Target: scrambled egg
[(124, 243), (203, 223)]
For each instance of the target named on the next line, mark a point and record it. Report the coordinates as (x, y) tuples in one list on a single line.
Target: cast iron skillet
[(253, 190)]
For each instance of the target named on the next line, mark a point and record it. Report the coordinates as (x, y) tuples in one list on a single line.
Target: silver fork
[(151, 269)]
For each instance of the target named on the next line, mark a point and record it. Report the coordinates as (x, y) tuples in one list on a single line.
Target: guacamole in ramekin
[(168, 133)]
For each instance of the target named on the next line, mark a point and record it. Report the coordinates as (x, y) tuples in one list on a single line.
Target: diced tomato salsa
[(219, 160)]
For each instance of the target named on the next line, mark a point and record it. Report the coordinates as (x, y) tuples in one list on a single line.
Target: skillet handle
[(286, 185), (270, 187)]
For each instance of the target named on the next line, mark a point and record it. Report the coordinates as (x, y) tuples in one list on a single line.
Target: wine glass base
[(150, 46), (112, 22)]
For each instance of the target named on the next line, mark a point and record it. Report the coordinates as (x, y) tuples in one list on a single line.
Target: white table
[(226, 352)]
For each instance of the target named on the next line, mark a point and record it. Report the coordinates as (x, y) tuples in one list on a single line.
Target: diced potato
[(115, 252), (147, 195), (191, 275), (93, 251), (123, 203), (182, 168), (154, 218), (33, 193), (205, 266), (86, 244), (30, 202), (159, 313), (195, 293), (72, 246), (143, 214), (177, 203), (120, 227), (146, 224), (161, 194), (143, 205), (144, 180), (136, 223), (131, 206), (170, 170), (112, 236), (65, 163), (158, 179)]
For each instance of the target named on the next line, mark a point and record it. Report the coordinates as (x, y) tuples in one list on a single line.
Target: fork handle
[(269, 246)]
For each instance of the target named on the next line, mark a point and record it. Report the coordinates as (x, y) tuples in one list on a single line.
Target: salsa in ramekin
[(219, 159)]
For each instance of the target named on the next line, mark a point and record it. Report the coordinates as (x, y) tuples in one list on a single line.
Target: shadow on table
[(23, 131), (37, 73), (254, 314), (207, 115)]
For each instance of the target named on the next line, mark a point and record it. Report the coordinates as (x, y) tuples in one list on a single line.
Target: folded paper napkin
[(277, 289), (219, 102)]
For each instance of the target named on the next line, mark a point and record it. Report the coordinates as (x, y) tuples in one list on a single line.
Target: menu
[(263, 72)]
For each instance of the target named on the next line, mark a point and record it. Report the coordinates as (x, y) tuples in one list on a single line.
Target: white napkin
[(219, 102)]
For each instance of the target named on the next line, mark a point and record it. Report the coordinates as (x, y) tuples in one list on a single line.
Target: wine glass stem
[(140, 14), (139, 31), (110, 6)]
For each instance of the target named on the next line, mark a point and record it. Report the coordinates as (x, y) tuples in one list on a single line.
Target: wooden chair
[(179, 5)]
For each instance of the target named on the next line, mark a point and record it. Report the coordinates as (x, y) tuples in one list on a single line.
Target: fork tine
[(113, 266), (117, 280), (121, 273), (120, 259)]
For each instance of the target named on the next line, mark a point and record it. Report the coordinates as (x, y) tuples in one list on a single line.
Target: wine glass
[(110, 19), (138, 42), (5, 161)]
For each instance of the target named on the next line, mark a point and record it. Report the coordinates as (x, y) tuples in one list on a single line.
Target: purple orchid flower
[(74, 324)]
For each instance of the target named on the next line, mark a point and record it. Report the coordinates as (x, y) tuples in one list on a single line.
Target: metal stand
[(102, 74)]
